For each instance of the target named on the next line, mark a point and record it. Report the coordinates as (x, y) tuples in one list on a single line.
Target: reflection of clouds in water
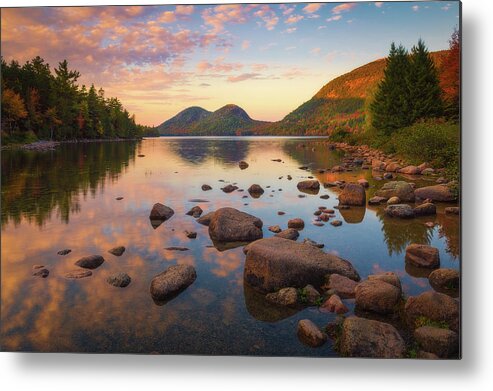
[(89, 314)]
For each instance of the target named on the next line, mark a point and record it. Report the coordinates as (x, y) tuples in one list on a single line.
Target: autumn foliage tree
[(450, 78)]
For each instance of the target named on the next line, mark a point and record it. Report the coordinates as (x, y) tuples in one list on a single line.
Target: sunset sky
[(268, 59)]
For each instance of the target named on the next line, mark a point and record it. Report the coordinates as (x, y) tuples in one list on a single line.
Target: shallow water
[(66, 199)]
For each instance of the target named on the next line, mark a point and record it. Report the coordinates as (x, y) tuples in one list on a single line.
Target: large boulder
[(422, 255), (442, 342), (377, 296), (432, 306), (400, 189), (402, 211), (205, 219), (362, 337), (310, 334), (275, 263), (90, 262), (161, 212), (172, 281), (353, 194), (441, 193), (232, 225)]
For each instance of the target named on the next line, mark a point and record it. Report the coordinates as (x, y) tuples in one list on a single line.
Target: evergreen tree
[(390, 109), (425, 94)]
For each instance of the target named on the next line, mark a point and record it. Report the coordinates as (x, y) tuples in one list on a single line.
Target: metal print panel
[(233, 179)]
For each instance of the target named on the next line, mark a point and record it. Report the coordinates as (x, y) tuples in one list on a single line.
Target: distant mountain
[(229, 120), (340, 104), (182, 121)]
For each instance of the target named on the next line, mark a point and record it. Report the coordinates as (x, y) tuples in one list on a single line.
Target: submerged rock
[(432, 306), (172, 281), (175, 248), (310, 334), (275, 228), (90, 262), (43, 273), (362, 337), (64, 252), (334, 304), (78, 273), (290, 233), (120, 280), (117, 251), (422, 255), (231, 225), (275, 263)]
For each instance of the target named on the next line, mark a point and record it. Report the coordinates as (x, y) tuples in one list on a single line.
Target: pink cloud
[(243, 77), (184, 9), (167, 17), (379, 4), (245, 45), (334, 18), (343, 8), (293, 19), (218, 66), (311, 8)]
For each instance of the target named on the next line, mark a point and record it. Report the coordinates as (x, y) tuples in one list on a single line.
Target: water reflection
[(217, 314)]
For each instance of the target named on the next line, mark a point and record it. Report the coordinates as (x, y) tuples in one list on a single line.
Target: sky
[(266, 58)]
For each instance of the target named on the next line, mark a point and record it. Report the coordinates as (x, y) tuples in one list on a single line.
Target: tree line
[(40, 104), (412, 91)]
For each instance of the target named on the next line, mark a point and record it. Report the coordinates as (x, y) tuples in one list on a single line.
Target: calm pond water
[(66, 199)]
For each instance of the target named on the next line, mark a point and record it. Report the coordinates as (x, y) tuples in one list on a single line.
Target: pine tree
[(425, 94), (391, 106)]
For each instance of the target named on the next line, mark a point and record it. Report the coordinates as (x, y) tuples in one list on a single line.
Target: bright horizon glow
[(266, 58)]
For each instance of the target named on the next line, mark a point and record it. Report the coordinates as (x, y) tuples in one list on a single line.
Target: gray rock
[(275, 263), (90, 262), (362, 337), (120, 280), (172, 281), (231, 225)]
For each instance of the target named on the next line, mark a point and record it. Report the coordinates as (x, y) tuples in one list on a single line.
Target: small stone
[(296, 223), (442, 342), (393, 200), (119, 198), (280, 213), (120, 280), (243, 165), (336, 223), (286, 297), (195, 212), (453, 210), (174, 248), (290, 233), (444, 280), (325, 196), (118, 251), (191, 234), (64, 252), (310, 334), (402, 211), (79, 273), (313, 243), (206, 187), (275, 228), (334, 304), (90, 262), (422, 255), (43, 273), (342, 285), (229, 188)]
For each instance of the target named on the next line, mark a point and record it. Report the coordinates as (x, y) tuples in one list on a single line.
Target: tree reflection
[(34, 184)]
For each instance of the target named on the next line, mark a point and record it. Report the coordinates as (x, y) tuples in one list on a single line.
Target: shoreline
[(50, 145)]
